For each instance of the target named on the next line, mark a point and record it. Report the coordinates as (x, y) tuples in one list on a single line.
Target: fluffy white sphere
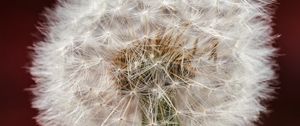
[(154, 62)]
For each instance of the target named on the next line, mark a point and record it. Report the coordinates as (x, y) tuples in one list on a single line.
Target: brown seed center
[(158, 62)]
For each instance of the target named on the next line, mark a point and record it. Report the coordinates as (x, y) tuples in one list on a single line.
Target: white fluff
[(72, 70)]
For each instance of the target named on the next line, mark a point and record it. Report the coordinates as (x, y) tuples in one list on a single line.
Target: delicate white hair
[(73, 70)]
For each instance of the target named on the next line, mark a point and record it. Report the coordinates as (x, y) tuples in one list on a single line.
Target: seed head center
[(153, 63)]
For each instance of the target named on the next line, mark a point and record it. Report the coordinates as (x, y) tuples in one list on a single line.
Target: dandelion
[(154, 63)]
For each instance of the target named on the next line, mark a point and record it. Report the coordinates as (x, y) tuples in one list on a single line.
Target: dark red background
[(18, 20)]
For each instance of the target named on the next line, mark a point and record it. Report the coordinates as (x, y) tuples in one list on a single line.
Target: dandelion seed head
[(154, 62)]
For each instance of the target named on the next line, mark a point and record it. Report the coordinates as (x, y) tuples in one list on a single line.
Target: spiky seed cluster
[(157, 62), (154, 62), (152, 70)]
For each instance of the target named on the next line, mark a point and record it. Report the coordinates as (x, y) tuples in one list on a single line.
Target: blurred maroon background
[(18, 22)]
